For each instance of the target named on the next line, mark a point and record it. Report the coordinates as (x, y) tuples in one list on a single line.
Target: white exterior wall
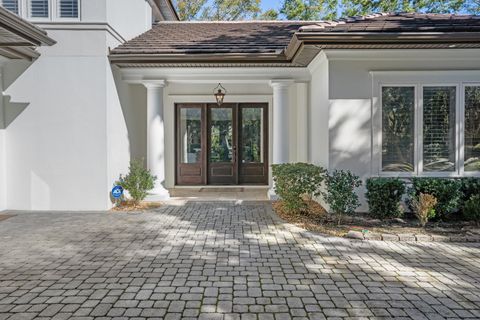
[(350, 98), (62, 145), (3, 175), (318, 113)]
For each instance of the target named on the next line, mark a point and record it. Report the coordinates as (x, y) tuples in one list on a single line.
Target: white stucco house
[(381, 95)]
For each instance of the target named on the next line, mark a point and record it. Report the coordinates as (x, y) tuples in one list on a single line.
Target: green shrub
[(293, 181), (471, 209), (470, 187), (340, 191), (446, 191), (138, 181), (384, 196), (424, 207)]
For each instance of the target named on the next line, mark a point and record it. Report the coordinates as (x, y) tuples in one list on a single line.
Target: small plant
[(138, 181), (424, 207), (447, 191), (384, 196), (471, 209), (340, 191), (294, 181)]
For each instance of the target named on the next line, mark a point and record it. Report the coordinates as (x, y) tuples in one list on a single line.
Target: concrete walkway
[(222, 261)]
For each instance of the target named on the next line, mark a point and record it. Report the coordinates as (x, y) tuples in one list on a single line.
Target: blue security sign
[(117, 192)]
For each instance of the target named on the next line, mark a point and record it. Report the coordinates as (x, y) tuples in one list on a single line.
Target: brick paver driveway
[(221, 261)]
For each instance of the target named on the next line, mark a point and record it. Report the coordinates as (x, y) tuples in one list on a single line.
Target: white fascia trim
[(417, 76), (215, 75), (82, 26), (402, 54)]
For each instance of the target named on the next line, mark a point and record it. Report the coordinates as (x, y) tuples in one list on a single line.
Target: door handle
[(234, 154)]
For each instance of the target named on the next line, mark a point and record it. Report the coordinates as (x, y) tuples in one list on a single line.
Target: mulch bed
[(129, 206), (363, 227)]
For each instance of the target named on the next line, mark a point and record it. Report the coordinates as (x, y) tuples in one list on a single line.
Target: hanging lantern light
[(219, 92)]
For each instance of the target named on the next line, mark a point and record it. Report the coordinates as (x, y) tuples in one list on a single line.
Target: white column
[(156, 139), (281, 119), (280, 127)]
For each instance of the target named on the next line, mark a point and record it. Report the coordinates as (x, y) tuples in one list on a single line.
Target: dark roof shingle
[(213, 37), (400, 22), (281, 41)]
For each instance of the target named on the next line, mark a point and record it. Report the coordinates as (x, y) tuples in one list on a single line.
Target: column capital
[(281, 83), (154, 84)]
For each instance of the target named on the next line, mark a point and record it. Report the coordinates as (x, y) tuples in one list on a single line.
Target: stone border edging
[(371, 236)]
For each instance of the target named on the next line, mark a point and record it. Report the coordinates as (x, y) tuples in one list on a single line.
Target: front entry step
[(220, 194)]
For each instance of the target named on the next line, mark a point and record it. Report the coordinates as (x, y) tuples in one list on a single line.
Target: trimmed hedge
[(384, 196), (447, 191), (340, 191), (471, 210), (294, 181)]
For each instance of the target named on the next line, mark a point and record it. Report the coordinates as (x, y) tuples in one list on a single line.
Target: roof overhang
[(163, 10), (19, 38), (304, 47)]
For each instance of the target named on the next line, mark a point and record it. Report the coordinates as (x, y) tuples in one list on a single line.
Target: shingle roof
[(280, 41), (213, 37), (400, 22)]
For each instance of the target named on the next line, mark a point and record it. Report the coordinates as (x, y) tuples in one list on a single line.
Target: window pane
[(68, 8), (11, 5), (472, 128), (398, 108), (39, 8), (221, 135), (439, 128), (190, 135), (252, 135)]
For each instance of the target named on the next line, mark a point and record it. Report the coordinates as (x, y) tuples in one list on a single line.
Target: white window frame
[(415, 130), (38, 19), (57, 11), (462, 131), (20, 7), (53, 12), (419, 115), (420, 79)]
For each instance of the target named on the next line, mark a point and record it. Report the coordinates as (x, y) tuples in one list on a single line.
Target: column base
[(158, 194), (272, 195)]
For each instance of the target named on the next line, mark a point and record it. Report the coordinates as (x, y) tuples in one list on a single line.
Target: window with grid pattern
[(39, 8), (398, 129), (439, 134), (68, 8), (472, 128), (11, 5)]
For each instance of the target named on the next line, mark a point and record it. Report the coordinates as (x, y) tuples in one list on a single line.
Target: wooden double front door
[(221, 145)]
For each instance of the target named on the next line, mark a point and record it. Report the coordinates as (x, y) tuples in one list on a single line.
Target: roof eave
[(197, 58), (34, 35), (384, 37)]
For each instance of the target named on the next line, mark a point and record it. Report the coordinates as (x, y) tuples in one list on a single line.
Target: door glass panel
[(251, 143), (221, 134), (190, 135)]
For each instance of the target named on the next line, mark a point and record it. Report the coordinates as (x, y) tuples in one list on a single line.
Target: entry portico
[(169, 89)]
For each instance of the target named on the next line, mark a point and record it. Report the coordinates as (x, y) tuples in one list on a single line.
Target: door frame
[(265, 106)]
